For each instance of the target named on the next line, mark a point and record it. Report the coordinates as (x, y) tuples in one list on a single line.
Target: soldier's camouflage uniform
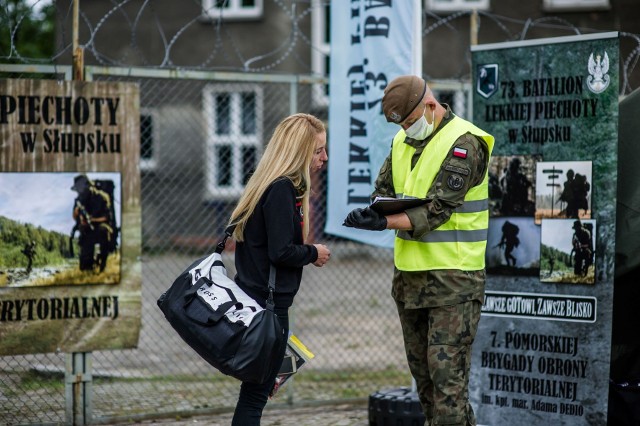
[(97, 205), (439, 309)]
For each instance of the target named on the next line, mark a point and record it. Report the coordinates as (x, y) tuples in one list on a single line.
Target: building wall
[(175, 34)]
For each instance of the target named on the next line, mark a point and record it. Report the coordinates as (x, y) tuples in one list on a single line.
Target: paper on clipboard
[(389, 205)]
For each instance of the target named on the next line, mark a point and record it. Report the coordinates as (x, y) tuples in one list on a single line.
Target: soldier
[(567, 196), (515, 190), (582, 249), (580, 188), (509, 241), (92, 211), (439, 249), (29, 250), (495, 193)]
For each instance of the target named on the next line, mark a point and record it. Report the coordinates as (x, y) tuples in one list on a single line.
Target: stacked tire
[(395, 407)]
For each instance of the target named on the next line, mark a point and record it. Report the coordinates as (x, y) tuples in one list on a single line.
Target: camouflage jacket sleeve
[(384, 181)]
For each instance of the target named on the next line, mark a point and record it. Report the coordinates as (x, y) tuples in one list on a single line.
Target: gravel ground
[(326, 415)]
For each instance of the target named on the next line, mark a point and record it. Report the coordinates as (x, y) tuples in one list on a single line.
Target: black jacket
[(273, 234)]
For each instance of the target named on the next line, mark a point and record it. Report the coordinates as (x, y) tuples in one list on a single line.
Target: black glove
[(365, 219)]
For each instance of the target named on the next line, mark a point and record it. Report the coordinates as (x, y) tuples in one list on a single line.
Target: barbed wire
[(227, 51)]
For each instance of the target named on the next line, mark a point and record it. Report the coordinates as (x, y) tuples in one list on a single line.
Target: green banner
[(542, 351)]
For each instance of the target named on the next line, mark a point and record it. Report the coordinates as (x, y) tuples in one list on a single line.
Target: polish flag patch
[(459, 152)]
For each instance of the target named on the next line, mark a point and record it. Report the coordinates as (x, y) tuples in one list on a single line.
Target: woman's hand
[(323, 255)]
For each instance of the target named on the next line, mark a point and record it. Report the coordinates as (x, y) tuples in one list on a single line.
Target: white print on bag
[(217, 294), (214, 295)]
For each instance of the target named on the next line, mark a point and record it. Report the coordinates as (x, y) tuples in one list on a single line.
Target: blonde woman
[(271, 228)]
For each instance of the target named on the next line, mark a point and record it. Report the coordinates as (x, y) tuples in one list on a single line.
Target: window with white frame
[(455, 5), (320, 48), (232, 9), (572, 5), (147, 138), (234, 133)]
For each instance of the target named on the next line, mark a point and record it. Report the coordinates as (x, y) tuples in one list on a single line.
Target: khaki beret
[(401, 97)]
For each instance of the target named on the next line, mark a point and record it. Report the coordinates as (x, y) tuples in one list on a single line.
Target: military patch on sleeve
[(455, 182), (455, 169)]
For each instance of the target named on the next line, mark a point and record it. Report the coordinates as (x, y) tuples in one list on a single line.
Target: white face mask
[(421, 130)]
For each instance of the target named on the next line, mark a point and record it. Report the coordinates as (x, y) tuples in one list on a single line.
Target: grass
[(180, 378), (117, 397), (41, 381), (334, 377), (74, 276), (308, 385)]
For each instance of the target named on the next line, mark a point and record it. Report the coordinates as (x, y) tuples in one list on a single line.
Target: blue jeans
[(253, 396)]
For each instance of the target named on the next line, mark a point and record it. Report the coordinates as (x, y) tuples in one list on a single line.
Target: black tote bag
[(221, 322)]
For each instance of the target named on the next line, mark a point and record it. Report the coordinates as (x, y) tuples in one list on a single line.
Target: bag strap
[(228, 232), (272, 287)]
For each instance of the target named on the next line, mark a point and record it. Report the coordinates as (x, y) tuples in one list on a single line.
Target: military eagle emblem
[(598, 79)]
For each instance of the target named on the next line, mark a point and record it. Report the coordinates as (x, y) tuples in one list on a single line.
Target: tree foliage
[(51, 247), (27, 31)]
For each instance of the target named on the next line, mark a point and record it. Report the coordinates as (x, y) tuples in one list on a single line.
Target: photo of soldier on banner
[(513, 246), (567, 251), (68, 235), (564, 190), (512, 185)]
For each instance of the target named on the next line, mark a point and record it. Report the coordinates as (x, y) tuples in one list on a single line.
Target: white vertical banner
[(372, 42)]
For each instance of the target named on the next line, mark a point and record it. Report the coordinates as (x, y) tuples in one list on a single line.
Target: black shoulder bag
[(225, 326)]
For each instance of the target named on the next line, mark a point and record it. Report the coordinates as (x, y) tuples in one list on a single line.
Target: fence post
[(78, 364), (78, 388), (78, 52), (473, 29)]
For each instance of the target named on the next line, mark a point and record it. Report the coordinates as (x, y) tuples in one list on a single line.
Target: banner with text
[(371, 44), (70, 238), (542, 350)]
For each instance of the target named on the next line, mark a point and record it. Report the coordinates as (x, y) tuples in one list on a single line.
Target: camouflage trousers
[(438, 346)]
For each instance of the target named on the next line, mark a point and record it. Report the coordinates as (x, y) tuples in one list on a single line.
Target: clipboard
[(389, 205)]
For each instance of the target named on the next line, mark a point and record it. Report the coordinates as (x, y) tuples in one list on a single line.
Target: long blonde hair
[(288, 154)]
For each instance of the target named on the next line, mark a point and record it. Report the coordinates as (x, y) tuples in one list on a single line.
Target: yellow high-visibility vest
[(459, 243)]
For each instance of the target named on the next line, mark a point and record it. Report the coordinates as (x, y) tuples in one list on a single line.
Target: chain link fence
[(201, 134)]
